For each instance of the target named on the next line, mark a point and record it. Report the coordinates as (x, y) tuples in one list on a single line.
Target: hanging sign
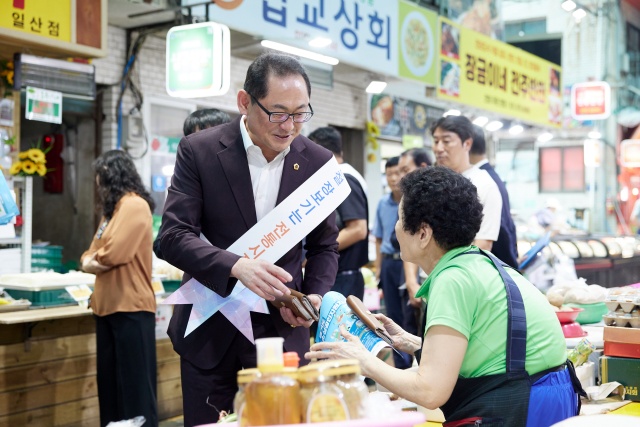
[(198, 60), (44, 105), (630, 153), (591, 101)]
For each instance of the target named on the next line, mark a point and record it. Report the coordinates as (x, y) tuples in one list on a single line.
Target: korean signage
[(478, 71), (391, 37), (198, 60), (43, 105), (398, 118), (590, 101), (37, 17)]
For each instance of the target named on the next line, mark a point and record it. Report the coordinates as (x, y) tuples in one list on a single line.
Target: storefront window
[(561, 169)]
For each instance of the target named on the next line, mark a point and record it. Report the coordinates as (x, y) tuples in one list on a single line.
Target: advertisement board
[(478, 71), (590, 101)]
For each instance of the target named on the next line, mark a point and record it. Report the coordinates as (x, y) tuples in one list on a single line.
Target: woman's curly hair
[(117, 176), (446, 201)]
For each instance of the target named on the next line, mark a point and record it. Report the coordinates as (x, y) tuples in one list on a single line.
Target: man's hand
[(412, 288), (290, 318), (90, 265), (263, 278)]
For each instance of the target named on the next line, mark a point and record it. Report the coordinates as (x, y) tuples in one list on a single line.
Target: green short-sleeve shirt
[(466, 293)]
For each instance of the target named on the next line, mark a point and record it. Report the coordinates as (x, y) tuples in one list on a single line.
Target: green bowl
[(592, 313)]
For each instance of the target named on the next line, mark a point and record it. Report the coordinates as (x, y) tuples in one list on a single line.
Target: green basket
[(44, 298), (46, 251), (171, 285)]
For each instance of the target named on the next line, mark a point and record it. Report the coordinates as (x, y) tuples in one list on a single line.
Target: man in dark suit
[(505, 247), (225, 180)]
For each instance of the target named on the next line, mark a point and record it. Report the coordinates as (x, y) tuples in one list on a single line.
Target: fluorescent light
[(579, 14), (452, 113), (624, 194), (594, 134), (545, 136), (516, 129), (494, 126), (299, 52), (568, 5), (480, 121), (376, 86), (319, 42)]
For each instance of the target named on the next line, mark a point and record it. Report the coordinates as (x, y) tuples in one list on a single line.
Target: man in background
[(352, 219), (505, 248), (388, 263), (452, 140)]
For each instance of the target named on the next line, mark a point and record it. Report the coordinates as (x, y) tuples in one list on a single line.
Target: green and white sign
[(198, 60), (44, 105)]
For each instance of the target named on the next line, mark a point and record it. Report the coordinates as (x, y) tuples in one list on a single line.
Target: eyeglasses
[(277, 117)]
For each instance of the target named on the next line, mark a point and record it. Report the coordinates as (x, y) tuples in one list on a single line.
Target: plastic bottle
[(245, 376), (274, 397)]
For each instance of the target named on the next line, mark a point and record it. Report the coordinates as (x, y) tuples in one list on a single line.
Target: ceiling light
[(545, 136), (376, 86), (594, 134), (480, 121), (634, 191), (494, 126), (299, 52), (516, 129), (578, 14), (319, 42), (452, 113), (568, 5)]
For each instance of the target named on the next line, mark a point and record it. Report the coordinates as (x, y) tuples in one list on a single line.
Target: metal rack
[(23, 184)]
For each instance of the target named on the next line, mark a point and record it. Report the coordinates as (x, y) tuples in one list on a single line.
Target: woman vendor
[(493, 352)]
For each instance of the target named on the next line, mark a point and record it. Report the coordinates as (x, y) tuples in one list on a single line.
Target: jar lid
[(328, 368), (247, 375)]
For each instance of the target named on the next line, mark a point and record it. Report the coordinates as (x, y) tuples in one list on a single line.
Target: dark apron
[(501, 399)]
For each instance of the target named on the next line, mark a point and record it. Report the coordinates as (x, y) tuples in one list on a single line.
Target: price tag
[(79, 293)]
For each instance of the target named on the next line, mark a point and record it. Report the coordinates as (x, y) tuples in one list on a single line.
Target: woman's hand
[(402, 340), (352, 349), (90, 265)]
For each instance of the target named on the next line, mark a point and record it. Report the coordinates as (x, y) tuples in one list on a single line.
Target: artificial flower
[(41, 169), (36, 155), (29, 167), (23, 155), (15, 168)]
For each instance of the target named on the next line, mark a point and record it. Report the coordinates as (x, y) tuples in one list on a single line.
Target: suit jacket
[(211, 193)]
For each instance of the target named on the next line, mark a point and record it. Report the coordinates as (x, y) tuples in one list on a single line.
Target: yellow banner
[(38, 17), (479, 71)]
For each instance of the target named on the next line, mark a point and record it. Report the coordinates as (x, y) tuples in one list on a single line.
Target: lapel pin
[(296, 166)]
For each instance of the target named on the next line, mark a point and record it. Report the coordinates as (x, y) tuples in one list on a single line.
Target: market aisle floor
[(173, 422)]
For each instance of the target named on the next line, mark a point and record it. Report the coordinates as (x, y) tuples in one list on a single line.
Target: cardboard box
[(622, 335), (622, 349), (623, 370)]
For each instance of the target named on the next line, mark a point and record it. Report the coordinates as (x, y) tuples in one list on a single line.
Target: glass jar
[(245, 376), (332, 390), (273, 398)]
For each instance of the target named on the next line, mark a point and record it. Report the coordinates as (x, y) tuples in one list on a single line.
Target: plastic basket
[(46, 251), (44, 298)]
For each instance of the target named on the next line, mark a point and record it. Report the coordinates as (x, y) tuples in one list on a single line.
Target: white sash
[(272, 237)]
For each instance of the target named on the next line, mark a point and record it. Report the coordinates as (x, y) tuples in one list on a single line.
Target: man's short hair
[(418, 155), (270, 63), (460, 125), (479, 146), (393, 161), (203, 119), (329, 138)]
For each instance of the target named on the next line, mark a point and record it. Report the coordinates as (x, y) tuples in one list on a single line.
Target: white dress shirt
[(265, 176)]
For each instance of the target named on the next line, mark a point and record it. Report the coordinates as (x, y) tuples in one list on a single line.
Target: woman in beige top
[(123, 300)]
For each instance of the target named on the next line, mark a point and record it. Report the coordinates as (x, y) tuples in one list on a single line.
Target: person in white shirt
[(452, 140)]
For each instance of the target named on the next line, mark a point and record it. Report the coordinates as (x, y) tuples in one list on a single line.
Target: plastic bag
[(133, 422), (8, 207)]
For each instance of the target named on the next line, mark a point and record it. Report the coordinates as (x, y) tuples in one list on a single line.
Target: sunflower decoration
[(6, 76), (30, 162)]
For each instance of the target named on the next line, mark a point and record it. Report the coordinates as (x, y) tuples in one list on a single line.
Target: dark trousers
[(126, 366), (206, 392), (350, 282), (391, 277)]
